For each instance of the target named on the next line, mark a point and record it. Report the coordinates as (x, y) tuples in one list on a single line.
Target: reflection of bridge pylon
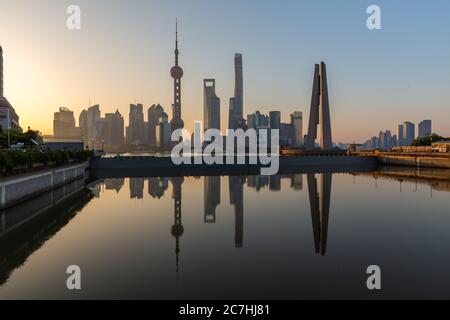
[(236, 187), (177, 228), (320, 209)]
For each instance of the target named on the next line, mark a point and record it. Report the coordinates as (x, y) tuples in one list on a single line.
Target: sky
[(124, 51)]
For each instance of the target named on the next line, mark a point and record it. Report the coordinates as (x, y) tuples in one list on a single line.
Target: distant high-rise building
[(236, 103), (95, 126), (320, 111), (424, 128), (8, 116), (135, 130), (287, 134), (251, 121), (275, 119), (64, 124), (114, 130), (297, 122), (163, 131), (177, 73), (408, 133), (211, 105), (155, 112), (400, 139)]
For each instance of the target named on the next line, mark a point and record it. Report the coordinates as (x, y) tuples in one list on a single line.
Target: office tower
[(135, 130), (95, 126), (177, 73), (374, 143), (251, 121), (64, 124), (287, 134), (8, 116), (393, 141), (212, 197), (320, 111), (400, 139), (154, 113), (297, 122), (163, 131), (424, 128), (408, 133), (211, 105), (275, 119), (236, 112), (114, 130)]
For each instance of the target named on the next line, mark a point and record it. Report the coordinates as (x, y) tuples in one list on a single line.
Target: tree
[(428, 140)]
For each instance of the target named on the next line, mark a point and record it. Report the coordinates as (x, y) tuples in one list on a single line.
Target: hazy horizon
[(124, 51)]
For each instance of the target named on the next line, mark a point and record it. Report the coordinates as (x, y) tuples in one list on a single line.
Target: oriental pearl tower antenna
[(176, 73)]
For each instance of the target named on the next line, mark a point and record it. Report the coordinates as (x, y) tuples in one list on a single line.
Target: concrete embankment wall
[(18, 188), (423, 161), (163, 166)]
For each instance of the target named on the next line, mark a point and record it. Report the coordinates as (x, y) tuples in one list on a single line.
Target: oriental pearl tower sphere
[(176, 73)]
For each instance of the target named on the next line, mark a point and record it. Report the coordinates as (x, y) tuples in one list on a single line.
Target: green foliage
[(23, 159), (428, 140), (17, 136)]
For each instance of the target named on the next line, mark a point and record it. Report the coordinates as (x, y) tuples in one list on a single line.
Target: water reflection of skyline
[(319, 193)]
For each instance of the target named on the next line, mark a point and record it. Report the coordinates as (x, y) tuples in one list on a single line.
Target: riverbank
[(17, 188)]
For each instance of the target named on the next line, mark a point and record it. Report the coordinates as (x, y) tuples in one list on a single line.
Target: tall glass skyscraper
[(237, 102)]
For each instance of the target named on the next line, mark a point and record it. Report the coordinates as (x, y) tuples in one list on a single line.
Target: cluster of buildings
[(405, 135), (8, 116), (110, 133)]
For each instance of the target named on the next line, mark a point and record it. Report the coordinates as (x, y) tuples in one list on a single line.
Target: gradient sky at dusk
[(124, 51)]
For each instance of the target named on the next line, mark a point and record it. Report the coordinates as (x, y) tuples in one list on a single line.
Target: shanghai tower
[(236, 102), (176, 73)]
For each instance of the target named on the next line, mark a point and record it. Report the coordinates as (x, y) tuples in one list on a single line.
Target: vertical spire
[(176, 42)]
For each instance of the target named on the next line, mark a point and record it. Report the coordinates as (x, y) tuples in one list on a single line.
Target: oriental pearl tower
[(176, 73)]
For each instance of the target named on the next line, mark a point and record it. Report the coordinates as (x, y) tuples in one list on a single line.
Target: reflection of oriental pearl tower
[(177, 228), (176, 73)]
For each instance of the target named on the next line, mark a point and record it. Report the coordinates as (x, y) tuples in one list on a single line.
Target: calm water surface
[(292, 236)]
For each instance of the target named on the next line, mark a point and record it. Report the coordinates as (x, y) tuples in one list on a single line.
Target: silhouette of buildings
[(157, 187), (64, 124), (212, 197), (177, 73), (211, 105), (8, 116), (236, 112), (297, 123), (320, 209), (409, 133), (114, 184), (135, 130), (113, 130), (425, 128), (320, 111), (400, 140), (136, 188), (275, 120), (155, 113)]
